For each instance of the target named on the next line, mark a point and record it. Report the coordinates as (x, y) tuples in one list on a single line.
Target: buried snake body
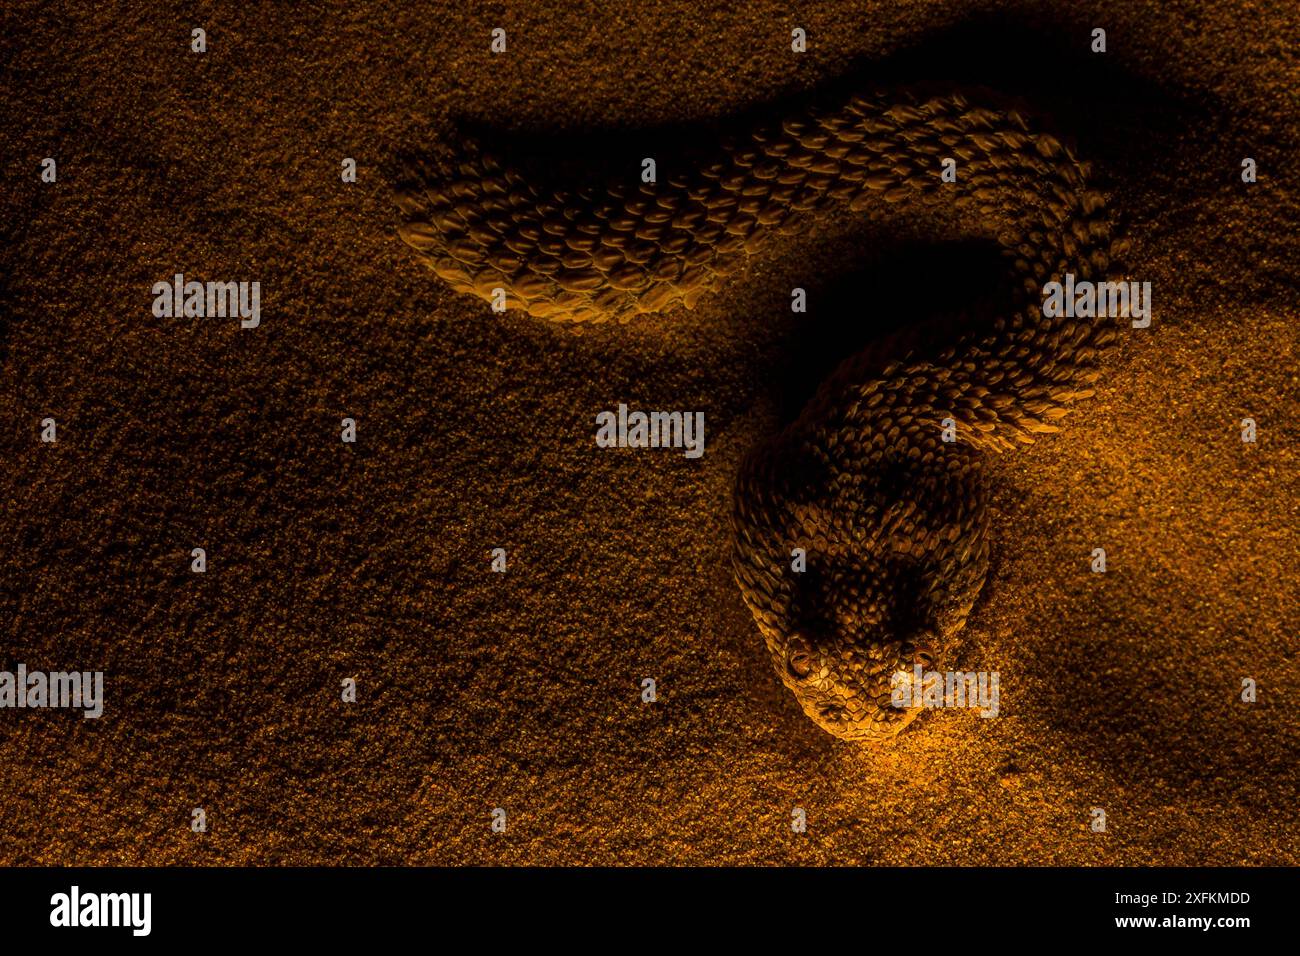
[(891, 516)]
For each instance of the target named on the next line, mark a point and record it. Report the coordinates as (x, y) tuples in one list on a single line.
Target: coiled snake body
[(891, 515)]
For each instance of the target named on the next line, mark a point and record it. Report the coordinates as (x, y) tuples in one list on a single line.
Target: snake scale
[(892, 517)]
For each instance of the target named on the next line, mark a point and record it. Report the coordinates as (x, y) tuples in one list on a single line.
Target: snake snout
[(831, 713)]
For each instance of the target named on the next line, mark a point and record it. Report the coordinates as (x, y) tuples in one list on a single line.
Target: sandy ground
[(522, 690)]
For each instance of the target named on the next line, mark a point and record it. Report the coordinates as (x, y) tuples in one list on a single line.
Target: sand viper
[(889, 511)]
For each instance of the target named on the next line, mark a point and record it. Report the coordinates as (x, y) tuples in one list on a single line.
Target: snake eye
[(800, 660)]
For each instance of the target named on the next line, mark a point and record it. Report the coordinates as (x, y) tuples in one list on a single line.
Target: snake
[(879, 483)]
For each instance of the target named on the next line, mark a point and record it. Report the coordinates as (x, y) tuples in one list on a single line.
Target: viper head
[(856, 569), (850, 694)]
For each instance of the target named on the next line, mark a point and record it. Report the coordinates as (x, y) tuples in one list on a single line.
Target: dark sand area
[(479, 690)]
